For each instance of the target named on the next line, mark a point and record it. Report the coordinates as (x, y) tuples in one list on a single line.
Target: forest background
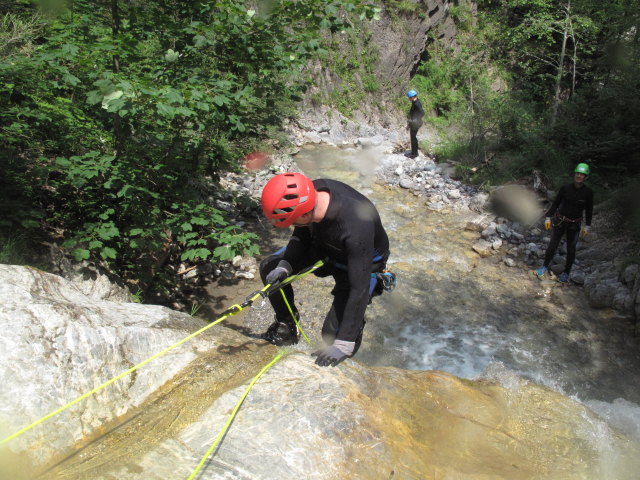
[(113, 112)]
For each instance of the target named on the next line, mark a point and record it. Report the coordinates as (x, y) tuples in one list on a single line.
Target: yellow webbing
[(233, 414)]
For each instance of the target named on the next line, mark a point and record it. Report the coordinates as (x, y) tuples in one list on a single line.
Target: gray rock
[(623, 301), (406, 183), (478, 202), (630, 274), (245, 275), (454, 194), (509, 262), (312, 138), (482, 248), (602, 294), (577, 277), (503, 229), (59, 343), (489, 231)]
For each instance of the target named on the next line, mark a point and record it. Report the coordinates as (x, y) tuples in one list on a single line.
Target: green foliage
[(195, 308), (353, 68), (400, 6), (136, 297), (109, 117), (491, 98), (13, 250)]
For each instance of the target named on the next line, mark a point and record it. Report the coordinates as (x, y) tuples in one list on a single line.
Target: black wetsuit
[(353, 243), (414, 120), (566, 218)]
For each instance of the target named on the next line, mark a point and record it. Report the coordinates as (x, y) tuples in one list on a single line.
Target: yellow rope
[(284, 297), (233, 414), (233, 310)]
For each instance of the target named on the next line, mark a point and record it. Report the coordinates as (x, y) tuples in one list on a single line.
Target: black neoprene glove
[(282, 271)]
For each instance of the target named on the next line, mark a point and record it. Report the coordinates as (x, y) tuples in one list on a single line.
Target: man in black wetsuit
[(414, 122), (565, 215), (335, 223)]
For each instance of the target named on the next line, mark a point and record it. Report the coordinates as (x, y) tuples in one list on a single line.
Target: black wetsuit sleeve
[(416, 112), (588, 208), (359, 248), (556, 202), (298, 246)]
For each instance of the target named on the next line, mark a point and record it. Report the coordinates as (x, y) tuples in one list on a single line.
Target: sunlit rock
[(353, 421), (298, 421), (58, 343)]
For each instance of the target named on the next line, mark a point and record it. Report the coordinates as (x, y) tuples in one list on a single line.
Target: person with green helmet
[(565, 216), (414, 122)]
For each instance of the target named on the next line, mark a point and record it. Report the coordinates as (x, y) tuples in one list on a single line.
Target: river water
[(451, 310), (477, 318)]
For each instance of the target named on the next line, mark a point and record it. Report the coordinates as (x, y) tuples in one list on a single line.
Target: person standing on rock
[(565, 216), (335, 223), (414, 122)]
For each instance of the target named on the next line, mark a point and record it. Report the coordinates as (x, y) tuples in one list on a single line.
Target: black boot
[(282, 333)]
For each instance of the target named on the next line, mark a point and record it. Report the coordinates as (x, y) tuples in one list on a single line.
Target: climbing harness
[(265, 292), (387, 279), (562, 218), (381, 282)]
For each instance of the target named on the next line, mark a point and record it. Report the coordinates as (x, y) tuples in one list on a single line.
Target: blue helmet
[(412, 93)]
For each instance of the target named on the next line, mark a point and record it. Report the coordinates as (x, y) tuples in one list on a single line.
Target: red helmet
[(287, 196)]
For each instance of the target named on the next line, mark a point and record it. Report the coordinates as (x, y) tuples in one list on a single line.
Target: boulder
[(483, 248), (58, 343), (298, 421)]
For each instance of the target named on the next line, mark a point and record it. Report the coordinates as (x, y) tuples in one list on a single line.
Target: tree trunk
[(556, 99), (115, 32), (575, 59)]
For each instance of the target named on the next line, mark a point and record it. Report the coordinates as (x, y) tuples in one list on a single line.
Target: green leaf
[(111, 97), (223, 253), (71, 79), (220, 100), (81, 254), (166, 110), (108, 252), (171, 56), (123, 191), (108, 231), (186, 226), (199, 221)]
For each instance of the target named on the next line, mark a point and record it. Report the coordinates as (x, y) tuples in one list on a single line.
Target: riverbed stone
[(406, 183), (577, 277), (629, 274), (483, 248), (509, 262)]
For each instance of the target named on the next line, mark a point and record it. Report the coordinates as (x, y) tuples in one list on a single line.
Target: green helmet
[(582, 168)]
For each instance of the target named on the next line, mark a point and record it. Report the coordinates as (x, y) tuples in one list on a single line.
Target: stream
[(451, 311), (477, 318)]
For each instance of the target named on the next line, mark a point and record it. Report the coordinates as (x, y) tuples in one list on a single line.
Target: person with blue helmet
[(565, 216), (414, 122)]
